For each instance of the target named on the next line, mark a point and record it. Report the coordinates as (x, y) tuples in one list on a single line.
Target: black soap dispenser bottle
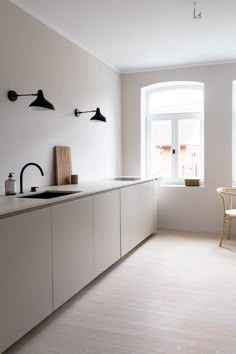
[(10, 185)]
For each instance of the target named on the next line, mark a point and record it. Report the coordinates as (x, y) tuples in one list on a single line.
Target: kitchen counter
[(13, 205)]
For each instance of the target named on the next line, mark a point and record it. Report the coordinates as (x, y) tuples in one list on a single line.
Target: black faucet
[(22, 171)]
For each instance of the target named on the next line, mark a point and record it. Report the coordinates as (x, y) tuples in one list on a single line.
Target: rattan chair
[(227, 194)]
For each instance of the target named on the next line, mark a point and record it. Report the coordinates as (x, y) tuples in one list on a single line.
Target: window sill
[(181, 186)]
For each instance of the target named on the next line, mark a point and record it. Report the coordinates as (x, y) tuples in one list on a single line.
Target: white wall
[(35, 57), (185, 208)]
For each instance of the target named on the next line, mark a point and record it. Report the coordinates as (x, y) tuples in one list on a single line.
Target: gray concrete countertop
[(13, 205)]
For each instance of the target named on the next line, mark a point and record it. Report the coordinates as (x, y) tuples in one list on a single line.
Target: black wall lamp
[(39, 104), (97, 116)]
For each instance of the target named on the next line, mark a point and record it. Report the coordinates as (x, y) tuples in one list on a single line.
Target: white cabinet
[(25, 273), (136, 215), (106, 230), (48, 255), (72, 233)]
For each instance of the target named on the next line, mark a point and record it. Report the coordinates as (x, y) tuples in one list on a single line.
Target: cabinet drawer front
[(72, 233), (106, 230), (136, 215), (25, 273), (146, 208), (130, 218)]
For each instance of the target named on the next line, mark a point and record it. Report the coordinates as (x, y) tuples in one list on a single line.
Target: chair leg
[(222, 231), (229, 229)]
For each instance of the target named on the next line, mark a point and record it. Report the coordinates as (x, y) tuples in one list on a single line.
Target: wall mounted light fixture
[(97, 116), (39, 104), (196, 16)]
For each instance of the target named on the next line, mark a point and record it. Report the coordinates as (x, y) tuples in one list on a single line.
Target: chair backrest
[(227, 194)]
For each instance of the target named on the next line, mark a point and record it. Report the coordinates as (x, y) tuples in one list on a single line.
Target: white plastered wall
[(35, 57)]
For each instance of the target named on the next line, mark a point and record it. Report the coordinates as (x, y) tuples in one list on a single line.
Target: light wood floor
[(174, 294)]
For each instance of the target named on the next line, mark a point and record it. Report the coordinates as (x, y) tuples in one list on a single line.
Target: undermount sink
[(48, 195), (127, 178)]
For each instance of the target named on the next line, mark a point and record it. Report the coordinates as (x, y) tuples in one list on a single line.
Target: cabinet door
[(25, 273), (72, 230), (130, 218), (155, 207), (106, 230), (146, 208), (136, 215)]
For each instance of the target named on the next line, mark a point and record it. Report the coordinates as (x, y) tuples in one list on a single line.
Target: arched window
[(174, 113)]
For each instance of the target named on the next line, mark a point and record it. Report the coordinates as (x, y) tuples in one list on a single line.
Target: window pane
[(176, 100), (189, 147), (161, 154)]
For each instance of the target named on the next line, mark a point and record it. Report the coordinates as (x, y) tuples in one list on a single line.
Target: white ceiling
[(135, 35)]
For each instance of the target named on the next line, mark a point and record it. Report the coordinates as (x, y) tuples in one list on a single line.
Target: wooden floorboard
[(176, 293)]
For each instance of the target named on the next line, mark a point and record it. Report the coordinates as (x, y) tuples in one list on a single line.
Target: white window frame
[(175, 118), (234, 133), (234, 148)]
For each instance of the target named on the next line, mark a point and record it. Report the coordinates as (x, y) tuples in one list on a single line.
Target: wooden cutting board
[(63, 166)]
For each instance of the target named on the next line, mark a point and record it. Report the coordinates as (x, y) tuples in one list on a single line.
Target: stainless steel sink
[(47, 195), (127, 178)]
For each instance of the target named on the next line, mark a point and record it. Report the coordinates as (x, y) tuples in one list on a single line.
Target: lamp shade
[(98, 116), (41, 103)]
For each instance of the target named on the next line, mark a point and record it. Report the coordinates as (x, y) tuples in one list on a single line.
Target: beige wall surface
[(35, 57), (186, 208)]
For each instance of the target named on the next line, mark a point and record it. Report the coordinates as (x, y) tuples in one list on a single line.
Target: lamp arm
[(28, 94), (12, 95), (88, 111), (77, 112)]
